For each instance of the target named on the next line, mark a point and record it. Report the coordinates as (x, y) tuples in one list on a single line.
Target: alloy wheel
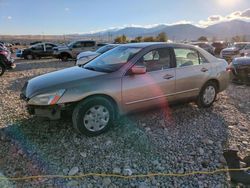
[(96, 118)]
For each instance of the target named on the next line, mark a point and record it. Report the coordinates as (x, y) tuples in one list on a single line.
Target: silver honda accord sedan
[(128, 78)]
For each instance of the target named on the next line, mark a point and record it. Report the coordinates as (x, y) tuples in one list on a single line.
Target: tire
[(2, 69), (207, 95), (85, 116), (29, 57), (64, 57)]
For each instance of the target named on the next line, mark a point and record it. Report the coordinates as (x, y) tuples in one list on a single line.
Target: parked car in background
[(127, 78), (6, 62), (238, 49), (85, 57), (240, 69), (219, 45), (38, 50), (71, 50), (206, 46), (2, 46)]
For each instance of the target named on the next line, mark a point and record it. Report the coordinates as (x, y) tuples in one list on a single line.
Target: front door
[(154, 88)]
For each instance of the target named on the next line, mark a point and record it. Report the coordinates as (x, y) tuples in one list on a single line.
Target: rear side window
[(186, 57)]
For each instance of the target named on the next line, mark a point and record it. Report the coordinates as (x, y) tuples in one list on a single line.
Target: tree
[(138, 39), (162, 37), (202, 38), (236, 39), (148, 39), (121, 39)]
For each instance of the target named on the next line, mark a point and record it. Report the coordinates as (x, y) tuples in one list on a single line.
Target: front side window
[(49, 46), (155, 60), (186, 57), (37, 47), (89, 44), (77, 45), (112, 60)]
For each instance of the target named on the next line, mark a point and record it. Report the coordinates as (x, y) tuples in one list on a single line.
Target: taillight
[(229, 69)]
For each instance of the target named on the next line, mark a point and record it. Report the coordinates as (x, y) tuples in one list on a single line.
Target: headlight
[(47, 98)]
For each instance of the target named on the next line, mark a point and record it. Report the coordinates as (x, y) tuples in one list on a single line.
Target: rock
[(65, 171), (155, 162), (143, 185), (83, 154), (90, 185), (73, 171), (207, 141), (106, 181), (108, 143), (116, 170), (201, 151), (72, 183), (127, 172)]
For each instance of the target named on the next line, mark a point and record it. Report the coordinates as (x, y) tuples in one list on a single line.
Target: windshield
[(239, 46), (104, 49), (113, 59)]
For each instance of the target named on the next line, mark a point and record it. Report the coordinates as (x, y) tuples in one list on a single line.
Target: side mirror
[(138, 69)]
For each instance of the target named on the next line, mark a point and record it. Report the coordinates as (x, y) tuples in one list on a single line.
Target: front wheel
[(93, 116), (2, 69), (207, 95)]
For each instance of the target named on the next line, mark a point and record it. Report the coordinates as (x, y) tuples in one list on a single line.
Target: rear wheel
[(29, 57), (207, 95), (65, 57), (2, 69), (93, 116)]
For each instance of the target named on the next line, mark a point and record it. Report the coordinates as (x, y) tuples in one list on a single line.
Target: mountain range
[(180, 32)]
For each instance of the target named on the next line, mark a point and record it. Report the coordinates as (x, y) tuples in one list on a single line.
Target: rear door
[(49, 49), (192, 71), (38, 50), (154, 88)]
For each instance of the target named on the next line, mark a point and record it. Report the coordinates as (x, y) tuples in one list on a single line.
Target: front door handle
[(168, 76), (204, 69)]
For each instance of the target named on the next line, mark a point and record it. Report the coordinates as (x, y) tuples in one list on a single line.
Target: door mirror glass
[(138, 69)]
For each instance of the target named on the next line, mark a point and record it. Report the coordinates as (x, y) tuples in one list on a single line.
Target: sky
[(85, 16)]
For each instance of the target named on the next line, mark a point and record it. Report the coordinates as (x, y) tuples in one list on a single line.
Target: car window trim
[(197, 51), (151, 49)]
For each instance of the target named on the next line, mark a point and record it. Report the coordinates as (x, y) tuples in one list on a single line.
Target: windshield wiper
[(90, 68)]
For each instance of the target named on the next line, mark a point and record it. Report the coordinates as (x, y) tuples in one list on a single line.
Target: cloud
[(214, 19), (180, 22), (8, 18), (67, 9)]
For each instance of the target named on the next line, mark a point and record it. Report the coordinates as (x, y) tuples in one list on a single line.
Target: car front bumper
[(53, 112)]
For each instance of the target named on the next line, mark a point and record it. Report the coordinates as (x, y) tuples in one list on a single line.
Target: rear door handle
[(204, 69), (168, 76)]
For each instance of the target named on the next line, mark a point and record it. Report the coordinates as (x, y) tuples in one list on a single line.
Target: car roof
[(148, 44)]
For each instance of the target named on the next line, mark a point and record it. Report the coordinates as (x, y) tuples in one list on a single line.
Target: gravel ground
[(181, 139)]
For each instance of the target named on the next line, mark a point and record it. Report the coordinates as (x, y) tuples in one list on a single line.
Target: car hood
[(232, 49), (86, 54), (63, 79)]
